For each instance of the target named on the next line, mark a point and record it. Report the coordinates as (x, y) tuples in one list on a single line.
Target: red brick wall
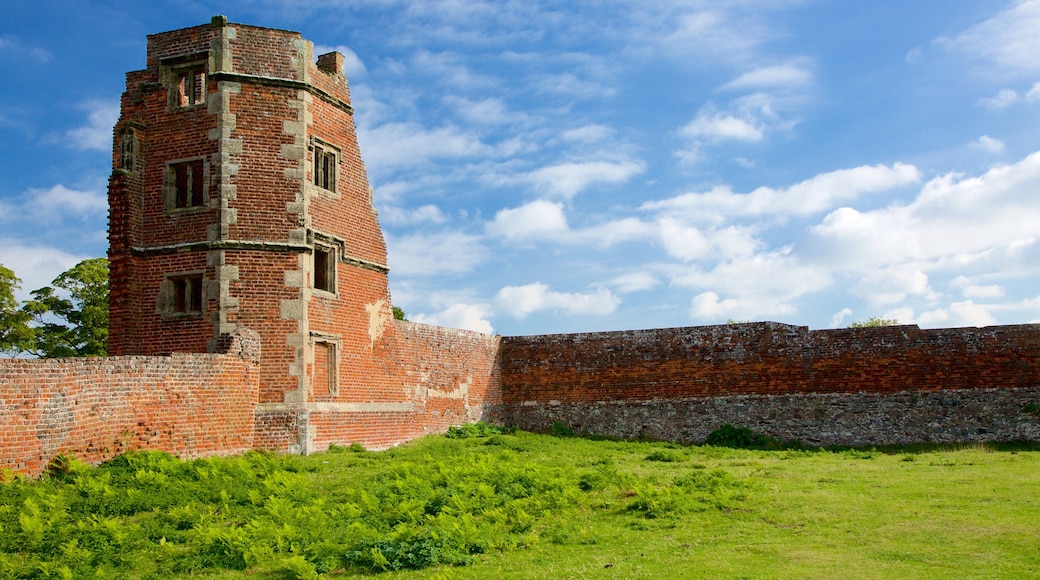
[(433, 378), (188, 404), (765, 359)]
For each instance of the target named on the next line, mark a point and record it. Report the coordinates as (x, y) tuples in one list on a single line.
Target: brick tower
[(239, 201)]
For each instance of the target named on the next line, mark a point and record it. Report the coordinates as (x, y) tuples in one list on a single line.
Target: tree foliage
[(875, 321), (15, 333), (399, 313), (71, 317)]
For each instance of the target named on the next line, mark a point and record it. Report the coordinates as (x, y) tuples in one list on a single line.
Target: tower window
[(185, 184), (185, 79), (128, 147), (324, 268), (181, 294), (325, 167)]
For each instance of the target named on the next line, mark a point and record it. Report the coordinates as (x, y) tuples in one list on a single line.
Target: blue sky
[(560, 167)]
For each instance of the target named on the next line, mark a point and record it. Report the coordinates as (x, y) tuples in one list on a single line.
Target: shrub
[(478, 429), (558, 429), (664, 456), (739, 438)]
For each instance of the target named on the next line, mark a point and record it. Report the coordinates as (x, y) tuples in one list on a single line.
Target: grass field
[(534, 506)]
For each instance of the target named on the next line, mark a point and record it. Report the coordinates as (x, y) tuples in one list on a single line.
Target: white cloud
[(353, 66), (987, 143), (1002, 100), (520, 301), (430, 254), (568, 179), (972, 290), (892, 285), (717, 126), (778, 76), (839, 317), (682, 241), (570, 85), (96, 135), (588, 134), (465, 316), (635, 282), (536, 219), (765, 284), (819, 193), (396, 145), (398, 216), (12, 47), (965, 313), (1011, 39), (490, 111), (37, 266), (47, 206)]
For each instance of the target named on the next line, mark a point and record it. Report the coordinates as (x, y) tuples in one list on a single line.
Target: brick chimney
[(331, 63)]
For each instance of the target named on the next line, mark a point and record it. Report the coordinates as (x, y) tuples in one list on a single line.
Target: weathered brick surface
[(851, 386), (319, 367), (188, 404)]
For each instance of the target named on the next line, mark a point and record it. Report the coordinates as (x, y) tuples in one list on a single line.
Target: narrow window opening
[(325, 168), (191, 87), (324, 268)]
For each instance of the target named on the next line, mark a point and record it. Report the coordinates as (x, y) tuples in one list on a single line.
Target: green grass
[(519, 505)]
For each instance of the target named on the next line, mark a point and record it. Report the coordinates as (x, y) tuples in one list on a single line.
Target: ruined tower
[(239, 201)]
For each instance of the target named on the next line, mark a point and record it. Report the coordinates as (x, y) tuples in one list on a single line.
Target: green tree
[(15, 334), (875, 321), (73, 322), (398, 313)]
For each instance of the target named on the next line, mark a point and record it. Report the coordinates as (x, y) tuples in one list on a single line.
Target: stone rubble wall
[(896, 384)]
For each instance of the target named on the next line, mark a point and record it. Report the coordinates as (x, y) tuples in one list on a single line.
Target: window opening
[(190, 87), (324, 168), (186, 184), (324, 268), (128, 149), (187, 294)]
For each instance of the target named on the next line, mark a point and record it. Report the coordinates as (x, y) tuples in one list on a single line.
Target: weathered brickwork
[(188, 404), (241, 222), (853, 386)]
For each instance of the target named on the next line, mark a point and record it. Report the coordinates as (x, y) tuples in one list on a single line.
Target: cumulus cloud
[(430, 254), (396, 145), (568, 179), (814, 195), (490, 111), (536, 219), (635, 282), (96, 135), (465, 316), (965, 313), (36, 265), (839, 317), (588, 134), (51, 205), (987, 143), (398, 216), (717, 126), (892, 285), (521, 301)]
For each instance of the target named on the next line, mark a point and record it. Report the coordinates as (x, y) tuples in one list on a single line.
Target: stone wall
[(851, 386), (190, 405)]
